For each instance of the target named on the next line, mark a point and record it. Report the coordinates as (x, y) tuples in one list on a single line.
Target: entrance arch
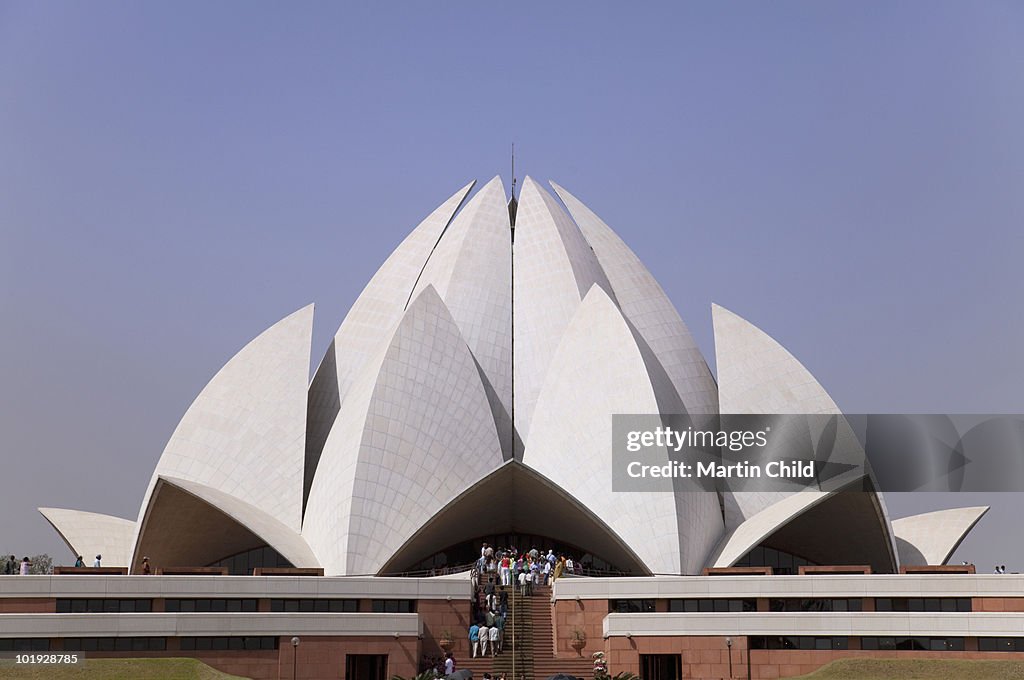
[(514, 500)]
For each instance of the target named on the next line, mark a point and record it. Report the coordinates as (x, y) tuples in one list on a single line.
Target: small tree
[(41, 564)]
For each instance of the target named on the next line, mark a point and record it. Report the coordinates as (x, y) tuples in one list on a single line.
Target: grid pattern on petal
[(553, 268), (244, 434), (415, 432), (599, 371), (472, 272)]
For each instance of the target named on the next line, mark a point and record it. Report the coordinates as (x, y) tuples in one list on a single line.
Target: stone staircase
[(545, 663), (529, 652), (518, 664), (502, 662)]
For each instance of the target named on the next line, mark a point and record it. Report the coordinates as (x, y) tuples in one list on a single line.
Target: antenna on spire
[(513, 204)]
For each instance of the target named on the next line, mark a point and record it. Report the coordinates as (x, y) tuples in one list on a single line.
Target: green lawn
[(917, 669), (118, 669)]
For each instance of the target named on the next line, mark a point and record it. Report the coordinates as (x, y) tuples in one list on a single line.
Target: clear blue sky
[(174, 179)]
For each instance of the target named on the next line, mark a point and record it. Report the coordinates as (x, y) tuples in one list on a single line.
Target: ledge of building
[(94, 571)]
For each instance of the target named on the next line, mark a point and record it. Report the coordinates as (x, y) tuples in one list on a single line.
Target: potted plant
[(579, 640), (445, 640)]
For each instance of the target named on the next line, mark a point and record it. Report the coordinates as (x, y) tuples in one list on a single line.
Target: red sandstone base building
[(720, 625)]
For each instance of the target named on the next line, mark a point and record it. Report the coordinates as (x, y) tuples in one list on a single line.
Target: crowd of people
[(523, 570), (495, 573)]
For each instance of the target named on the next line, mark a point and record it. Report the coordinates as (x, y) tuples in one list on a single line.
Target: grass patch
[(118, 669), (917, 669)]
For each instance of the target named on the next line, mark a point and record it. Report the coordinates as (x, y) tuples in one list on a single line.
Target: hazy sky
[(174, 179)]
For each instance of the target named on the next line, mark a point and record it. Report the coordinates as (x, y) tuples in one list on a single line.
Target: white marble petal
[(645, 304), (471, 269), (932, 537), (743, 538), (244, 435), (281, 538), (90, 534), (599, 370), (553, 267), (415, 432), (367, 324), (757, 375)]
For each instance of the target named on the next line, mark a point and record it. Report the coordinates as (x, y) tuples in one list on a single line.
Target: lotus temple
[(328, 528)]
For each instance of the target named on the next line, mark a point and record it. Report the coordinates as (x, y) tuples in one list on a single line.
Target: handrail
[(436, 571)]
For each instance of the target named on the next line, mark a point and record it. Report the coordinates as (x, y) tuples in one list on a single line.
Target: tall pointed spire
[(513, 204)]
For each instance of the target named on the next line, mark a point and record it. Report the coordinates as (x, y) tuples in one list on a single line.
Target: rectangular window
[(706, 605), (923, 604), (102, 606), (938, 644), (314, 605), (349, 606), (873, 643), (225, 643), (851, 604), (641, 606), (233, 604), (24, 644), (394, 606), (999, 644)]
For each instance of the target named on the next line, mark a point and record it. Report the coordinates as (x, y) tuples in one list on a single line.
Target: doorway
[(661, 666), (366, 666)]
